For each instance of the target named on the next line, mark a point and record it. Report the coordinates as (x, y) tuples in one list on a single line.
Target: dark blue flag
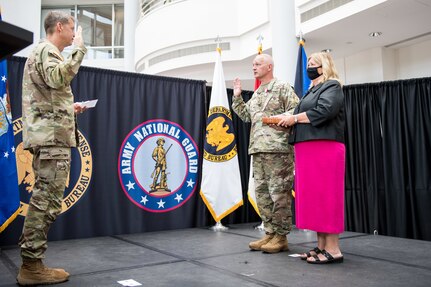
[(302, 82), (9, 193)]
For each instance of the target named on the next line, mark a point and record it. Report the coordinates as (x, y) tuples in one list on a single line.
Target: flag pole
[(218, 226)]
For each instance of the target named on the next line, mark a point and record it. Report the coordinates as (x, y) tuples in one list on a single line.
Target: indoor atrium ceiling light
[(327, 50), (375, 34)]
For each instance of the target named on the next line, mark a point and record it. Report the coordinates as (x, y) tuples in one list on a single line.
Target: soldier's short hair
[(53, 18)]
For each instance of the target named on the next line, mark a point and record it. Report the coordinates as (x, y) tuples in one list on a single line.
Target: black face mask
[(312, 72)]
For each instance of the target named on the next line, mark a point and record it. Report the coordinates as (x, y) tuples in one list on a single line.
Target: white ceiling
[(401, 22), (78, 2)]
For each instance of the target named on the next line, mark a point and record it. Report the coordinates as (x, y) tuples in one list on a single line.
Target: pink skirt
[(319, 186)]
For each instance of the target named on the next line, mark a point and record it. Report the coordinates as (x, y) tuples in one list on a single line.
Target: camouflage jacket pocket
[(54, 153)]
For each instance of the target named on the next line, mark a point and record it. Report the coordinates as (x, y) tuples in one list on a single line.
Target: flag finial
[(301, 39), (259, 47), (218, 41)]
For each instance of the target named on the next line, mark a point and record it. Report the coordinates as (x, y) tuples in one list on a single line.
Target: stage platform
[(202, 257)]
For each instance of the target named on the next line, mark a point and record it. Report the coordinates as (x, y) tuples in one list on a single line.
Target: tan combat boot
[(276, 244), (256, 245), (34, 272)]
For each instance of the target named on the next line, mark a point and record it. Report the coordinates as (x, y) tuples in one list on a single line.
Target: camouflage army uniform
[(49, 133), (272, 155)]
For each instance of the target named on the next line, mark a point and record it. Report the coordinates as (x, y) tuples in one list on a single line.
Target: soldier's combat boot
[(276, 244), (256, 245), (34, 272)]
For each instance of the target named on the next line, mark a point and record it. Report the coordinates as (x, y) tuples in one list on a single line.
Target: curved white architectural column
[(131, 13), (179, 35), (284, 42)]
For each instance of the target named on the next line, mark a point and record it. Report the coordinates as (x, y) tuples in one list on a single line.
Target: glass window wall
[(102, 28)]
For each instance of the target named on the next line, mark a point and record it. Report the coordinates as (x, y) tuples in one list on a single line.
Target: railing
[(147, 6), (99, 52)]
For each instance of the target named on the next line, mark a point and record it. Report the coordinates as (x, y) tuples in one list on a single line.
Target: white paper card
[(129, 282), (295, 255), (88, 104)]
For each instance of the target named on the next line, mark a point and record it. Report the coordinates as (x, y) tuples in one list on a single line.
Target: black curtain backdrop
[(388, 175), (125, 100), (388, 154)]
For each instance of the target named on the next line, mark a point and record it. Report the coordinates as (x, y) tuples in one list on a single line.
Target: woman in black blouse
[(318, 138)]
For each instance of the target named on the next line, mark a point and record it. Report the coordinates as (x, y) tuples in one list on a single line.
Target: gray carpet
[(202, 257)]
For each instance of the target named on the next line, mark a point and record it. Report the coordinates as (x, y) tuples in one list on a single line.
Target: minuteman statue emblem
[(159, 175)]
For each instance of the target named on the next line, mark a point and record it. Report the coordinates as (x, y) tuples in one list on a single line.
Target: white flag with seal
[(221, 181)]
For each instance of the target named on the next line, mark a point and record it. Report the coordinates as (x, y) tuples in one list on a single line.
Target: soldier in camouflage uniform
[(272, 156), (49, 133)]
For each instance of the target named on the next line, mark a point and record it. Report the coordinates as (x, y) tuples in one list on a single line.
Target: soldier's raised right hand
[(237, 87), (77, 40)]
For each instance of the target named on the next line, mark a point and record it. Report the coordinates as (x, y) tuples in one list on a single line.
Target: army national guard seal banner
[(137, 165), (158, 166)]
